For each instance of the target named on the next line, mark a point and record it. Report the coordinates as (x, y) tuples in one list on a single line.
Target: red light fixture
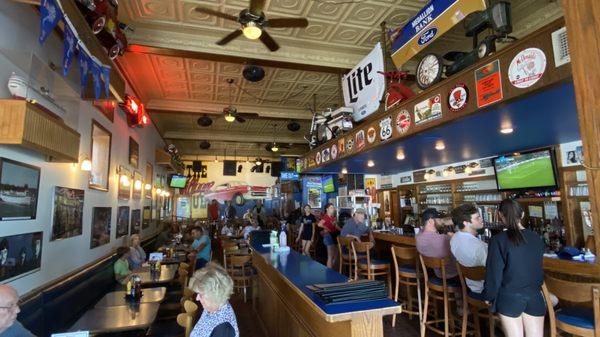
[(135, 111)]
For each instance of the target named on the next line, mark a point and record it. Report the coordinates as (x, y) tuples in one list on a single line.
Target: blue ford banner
[(96, 70), (70, 42), (84, 67), (50, 15)]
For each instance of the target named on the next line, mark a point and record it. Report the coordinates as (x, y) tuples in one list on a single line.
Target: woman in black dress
[(514, 275), (306, 233)]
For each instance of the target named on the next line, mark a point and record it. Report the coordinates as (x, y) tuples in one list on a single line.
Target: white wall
[(19, 29)]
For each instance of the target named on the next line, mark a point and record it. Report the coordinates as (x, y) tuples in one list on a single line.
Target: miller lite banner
[(433, 20), (364, 86)]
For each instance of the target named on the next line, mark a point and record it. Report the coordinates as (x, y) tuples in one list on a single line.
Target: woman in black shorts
[(307, 230), (514, 275)]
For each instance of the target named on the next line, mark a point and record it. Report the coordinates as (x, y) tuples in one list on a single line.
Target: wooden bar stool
[(580, 319), (438, 289), (345, 252), (227, 248), (366, 266), (241, 272), (474, 300), (407, 274)]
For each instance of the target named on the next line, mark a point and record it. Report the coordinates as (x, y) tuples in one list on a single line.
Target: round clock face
[(403, 121), (482, 50), (429, 71)]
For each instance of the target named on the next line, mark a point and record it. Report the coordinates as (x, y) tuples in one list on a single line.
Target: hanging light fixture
[(229, 118), (251, 30), (258, 162), (216, 159)]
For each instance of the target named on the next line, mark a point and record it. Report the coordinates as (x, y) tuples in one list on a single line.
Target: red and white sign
[(318, 158), (334, 151), (371, 134), (458, 97), (360, 140), (527, 67), (403, 121)]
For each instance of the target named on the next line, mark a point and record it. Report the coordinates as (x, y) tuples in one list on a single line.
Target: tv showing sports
[(178, 181), (527, 170), (328, 185)]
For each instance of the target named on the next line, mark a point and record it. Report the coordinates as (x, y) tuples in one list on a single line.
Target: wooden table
[(166, 275), (117, 298), (119, 318)]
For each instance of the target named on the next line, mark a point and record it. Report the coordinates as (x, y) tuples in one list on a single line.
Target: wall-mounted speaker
[(229, 168), (275, 169)]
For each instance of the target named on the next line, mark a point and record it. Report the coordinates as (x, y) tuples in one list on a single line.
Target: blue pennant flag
[(96, 76), (68, 49), (50, 15), (84, 67), (106, 78)]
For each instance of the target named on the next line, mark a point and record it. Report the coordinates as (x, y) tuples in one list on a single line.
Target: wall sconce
[(137, 185), (158, 191), (148, 187), (429, 174), (86, 164), (470, 167), (448, 171), (124, 179)]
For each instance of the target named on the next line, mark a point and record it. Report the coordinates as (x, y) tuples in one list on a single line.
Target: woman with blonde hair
[(214, 287), (137, 254)]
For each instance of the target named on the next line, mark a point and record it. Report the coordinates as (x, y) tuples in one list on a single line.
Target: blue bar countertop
[(301, 271)]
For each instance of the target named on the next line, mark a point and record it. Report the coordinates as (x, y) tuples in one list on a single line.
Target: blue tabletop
[(301, 271)]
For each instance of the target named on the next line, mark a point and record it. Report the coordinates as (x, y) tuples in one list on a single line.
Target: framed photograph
[(68, 213), (20, 255), (124, 189), (135, 222), (19, 186), (147, 217), (134, 153), (101, 217), (122, 221), (101, 144), (148, 180), (137, 192)]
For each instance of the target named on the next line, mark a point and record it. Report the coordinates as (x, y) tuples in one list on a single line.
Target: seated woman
[(214, 287), (121, 266), (249, 226), (137, 255)]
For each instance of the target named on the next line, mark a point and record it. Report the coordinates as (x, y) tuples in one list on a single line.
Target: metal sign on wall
[(364, 86)]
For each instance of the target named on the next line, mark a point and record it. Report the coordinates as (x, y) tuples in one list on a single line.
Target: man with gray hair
[(9, 308), (356, 226)]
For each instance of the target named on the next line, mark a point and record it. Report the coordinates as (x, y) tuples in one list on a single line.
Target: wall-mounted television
[(526, 170), (328, 185), (178, 181), (289, 175)]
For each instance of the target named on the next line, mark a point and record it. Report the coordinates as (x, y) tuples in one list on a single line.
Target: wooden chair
[(227, 249), (241, 272), (187, 318), (345, 253), (478, 306), (407, 274), (438, 289), (366, 266), (582, 316)]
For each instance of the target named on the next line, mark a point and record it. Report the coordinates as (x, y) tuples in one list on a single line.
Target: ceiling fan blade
[(230, 37), (256, 6), (287, 22), (216, 13), (248, 114), (240, 118), (268, 41)]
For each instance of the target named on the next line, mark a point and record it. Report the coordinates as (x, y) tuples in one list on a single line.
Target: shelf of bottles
[(481, 192), (437, 196)]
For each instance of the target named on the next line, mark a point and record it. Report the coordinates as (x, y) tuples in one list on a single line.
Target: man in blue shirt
[(9, 308), (357, 226), (201, 246)]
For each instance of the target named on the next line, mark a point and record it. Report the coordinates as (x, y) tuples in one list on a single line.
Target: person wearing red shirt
[(329, 232), (213, 211)]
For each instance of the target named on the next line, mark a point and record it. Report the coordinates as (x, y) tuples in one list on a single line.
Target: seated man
[(121, 266), (249, 226), (357, 226), (433, 244), (9, 308), (201, 246), (227, 229), (468, 250)]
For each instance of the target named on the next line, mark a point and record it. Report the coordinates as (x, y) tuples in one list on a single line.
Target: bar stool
[(581, 319), (227, 248), (365, 266), (438, 289), (477, 305), (241, 272), (345, 252), (187, 318), (407, 274)]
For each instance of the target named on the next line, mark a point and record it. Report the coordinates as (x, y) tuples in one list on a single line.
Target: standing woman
[(329, 232), (307, 230), (514, 275)]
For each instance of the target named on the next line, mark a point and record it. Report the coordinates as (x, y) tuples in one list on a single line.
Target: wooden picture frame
[(19, 196), (100, 149), (134, 153)]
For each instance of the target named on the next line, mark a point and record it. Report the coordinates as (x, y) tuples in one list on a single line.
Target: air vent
[(560, 46)]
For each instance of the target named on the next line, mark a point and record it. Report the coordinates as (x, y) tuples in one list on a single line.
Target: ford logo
[(427, 36)]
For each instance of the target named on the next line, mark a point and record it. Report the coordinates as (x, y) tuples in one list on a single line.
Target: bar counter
[(286, 307)]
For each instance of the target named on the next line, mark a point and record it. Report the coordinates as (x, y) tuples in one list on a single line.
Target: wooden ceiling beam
[(216, 115), (228, 136)]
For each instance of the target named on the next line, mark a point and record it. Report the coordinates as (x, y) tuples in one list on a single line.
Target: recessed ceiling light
[(439, 145), (506, 131), (344, 171), (400, 155), (370, 163)]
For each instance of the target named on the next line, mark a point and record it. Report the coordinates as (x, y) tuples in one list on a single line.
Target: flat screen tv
[(328, 185), (526, 170), (178, 181)]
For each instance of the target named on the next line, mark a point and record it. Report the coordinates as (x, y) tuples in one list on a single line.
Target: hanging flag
[(96, 70), (84, 67), (50, 15), (68, 48), (106, 79)]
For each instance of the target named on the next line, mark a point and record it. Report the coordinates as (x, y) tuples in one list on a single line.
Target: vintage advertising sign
[(334, 151), (458, 97), (488, 84), (371, 134), (341, 146), (385, 128), (364, 86), (360, 140), (349, 145), (527, 67), (432, 21), (428, 109), (325, 156), (403, 121), (318, 158)]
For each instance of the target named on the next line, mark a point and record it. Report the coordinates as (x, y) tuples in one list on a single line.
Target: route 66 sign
[(385, 128)]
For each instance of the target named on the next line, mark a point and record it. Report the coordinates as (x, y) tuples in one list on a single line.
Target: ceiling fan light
[(229, 118), (274, 148), (251, 30)]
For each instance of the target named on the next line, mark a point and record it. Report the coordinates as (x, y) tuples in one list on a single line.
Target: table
[(117, 298), (119, 318), (177, 259), (167, 274)]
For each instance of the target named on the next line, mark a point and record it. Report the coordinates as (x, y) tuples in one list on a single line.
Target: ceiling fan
[(253, 23), (229, 112)]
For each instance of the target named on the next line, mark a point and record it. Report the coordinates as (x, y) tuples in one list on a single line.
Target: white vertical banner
[(364, 86)]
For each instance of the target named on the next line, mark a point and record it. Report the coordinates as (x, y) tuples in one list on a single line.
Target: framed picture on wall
[(147, 217), (20, 255), (148, 181), (19, 186), (106, 108), (101, 217), (124, 184), (138, 185), (134, 153), (122, 221), (101, 144), (135, 222), (68, 213)]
